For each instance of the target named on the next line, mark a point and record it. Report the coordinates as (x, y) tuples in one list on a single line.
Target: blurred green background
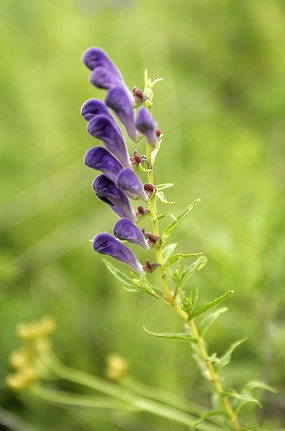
[(221, 106)]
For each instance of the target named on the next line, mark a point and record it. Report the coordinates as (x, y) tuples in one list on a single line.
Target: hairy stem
[(213, 375)]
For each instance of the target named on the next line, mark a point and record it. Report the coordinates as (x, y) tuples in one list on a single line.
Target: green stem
[(124, 395), (213, 376)]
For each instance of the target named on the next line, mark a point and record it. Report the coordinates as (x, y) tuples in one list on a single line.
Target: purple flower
[(147, 126), (124, 229), (106, 244), (104, 128), (100, 159), (104, 72), (93, 107), (107, 192), (131, 185), (118, 98)]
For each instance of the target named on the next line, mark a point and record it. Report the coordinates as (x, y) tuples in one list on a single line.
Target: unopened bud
[(158, 133), (117, 367), (149, 188)]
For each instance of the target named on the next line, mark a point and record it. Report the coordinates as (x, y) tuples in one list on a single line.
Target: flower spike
[(147, 126), (102, 127), (124, 229), (118, 98), (105, 243), (107, 192), (104, 72), (131, 185), (100, 159)]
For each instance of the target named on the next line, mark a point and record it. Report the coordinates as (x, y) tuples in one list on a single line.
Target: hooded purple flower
[(131, 185), (104, 128), (100, 159), (147, 126), (118, 98), (107, 192), (93, 107), (107, 244), (124, 229), (104, 72)]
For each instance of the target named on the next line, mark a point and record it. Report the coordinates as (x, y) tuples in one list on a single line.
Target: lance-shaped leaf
[(209, 320), (100, 159), (174, 335), (203, 308), (176, 223), (131, 185), (93, 107), (104, 72), (102, 127), (124, 229), (107, 192), (147, 126), (118, 98), (105, 243)]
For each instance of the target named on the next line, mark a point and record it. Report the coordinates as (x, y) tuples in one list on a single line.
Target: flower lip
[(124, 229), (119, 99), (104, 128), (100, 159), (105, 243), (131, 185), (147, 126), (107, 192), (93, 107)]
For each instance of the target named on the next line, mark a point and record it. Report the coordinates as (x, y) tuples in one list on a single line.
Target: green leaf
[(226, 358), (209, 320), (164, 186), (180, 256), (161, 196), (154, 153), (243, 397), (167, 251), (121, 276), (174, 336), (175, 224), (165, 214), (203, 308), (259, 385), (189, 271), (207, 415)]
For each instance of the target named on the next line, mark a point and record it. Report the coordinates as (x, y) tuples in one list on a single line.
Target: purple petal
[(100, 159), (124, 229), (118, 99), (107, 192), (102, 127), (105, 73), (93, 107), (107, 244), (147, 126), (131, 185)]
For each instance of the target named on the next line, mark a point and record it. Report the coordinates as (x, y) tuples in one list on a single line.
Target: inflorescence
[(118, 182)]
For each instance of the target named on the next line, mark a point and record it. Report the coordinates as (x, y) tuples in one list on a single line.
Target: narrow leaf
[(175, 224), (207, 415), (164, 186), (246, 398), (209, 320), (203, 308), (226, 358), (189, 271), (174, 336), (121, 276), (165, 214), (259, 385), (161, 196), (167, 251), (180, 256), (154, 153)]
